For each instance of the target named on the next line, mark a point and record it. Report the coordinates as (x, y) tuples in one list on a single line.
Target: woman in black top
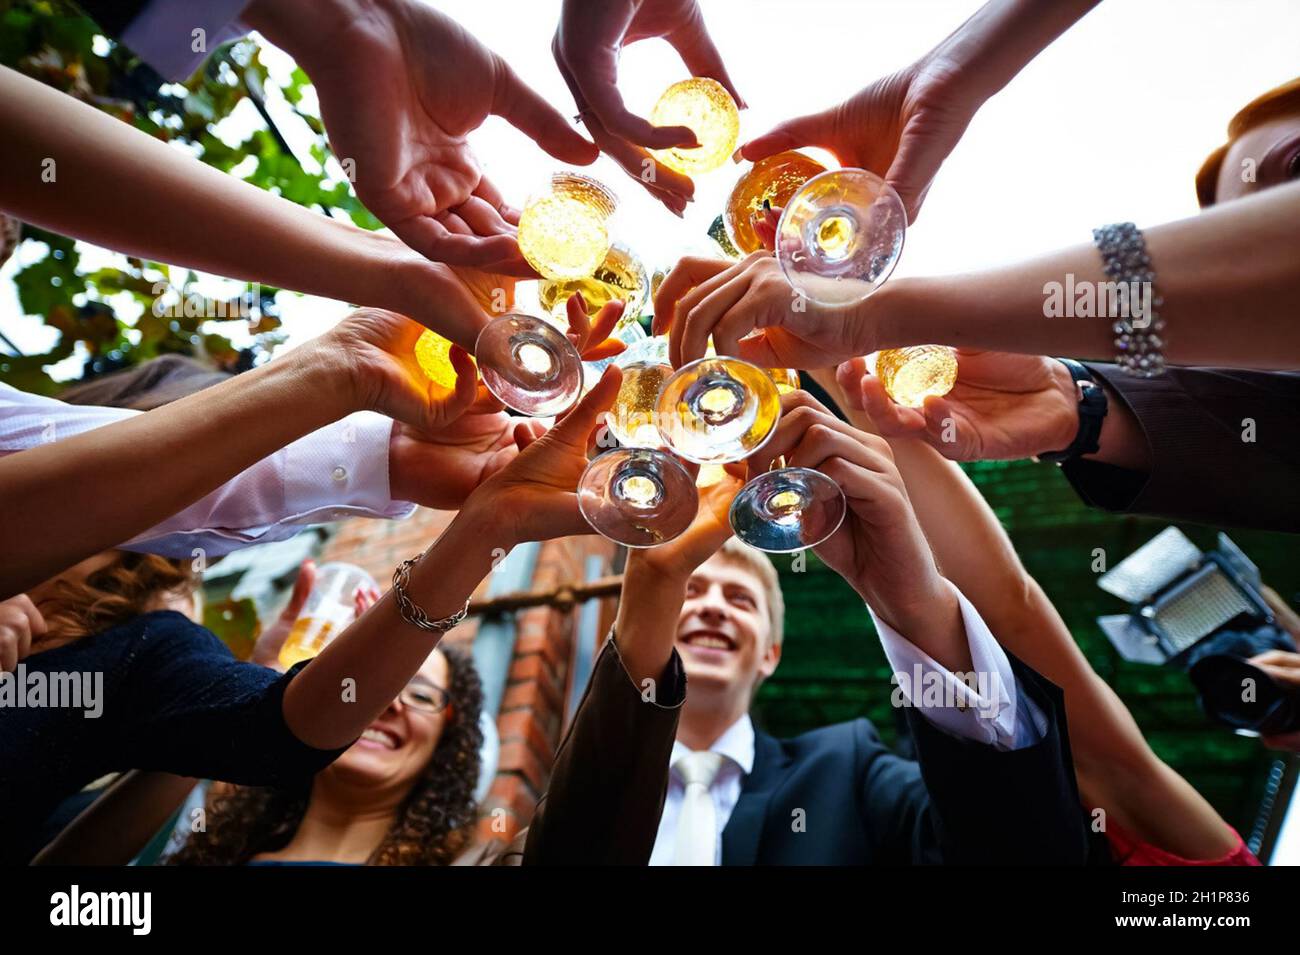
[(167, 694)]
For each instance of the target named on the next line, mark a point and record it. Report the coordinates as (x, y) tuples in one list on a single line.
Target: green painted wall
[(833, 669)]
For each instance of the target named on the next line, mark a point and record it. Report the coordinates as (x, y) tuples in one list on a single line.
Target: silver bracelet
[(414, 614), (1139, 333)]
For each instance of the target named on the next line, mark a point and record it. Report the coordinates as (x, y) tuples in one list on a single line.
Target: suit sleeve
[(969, 803), (610, 778), (1224, 448)]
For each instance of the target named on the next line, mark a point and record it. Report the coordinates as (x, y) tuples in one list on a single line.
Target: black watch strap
[(1092, 411)]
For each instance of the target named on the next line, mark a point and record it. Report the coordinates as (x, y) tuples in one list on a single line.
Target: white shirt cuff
[(981, 705), (164, 33)]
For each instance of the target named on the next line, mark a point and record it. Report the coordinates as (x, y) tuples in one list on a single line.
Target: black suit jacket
[(1224, 445), (839, 796)]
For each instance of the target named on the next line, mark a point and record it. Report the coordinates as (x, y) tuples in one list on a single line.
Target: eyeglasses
[(425, 697)]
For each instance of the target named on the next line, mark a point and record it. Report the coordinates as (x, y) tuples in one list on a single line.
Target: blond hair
[(761, 567), (1280, 101)]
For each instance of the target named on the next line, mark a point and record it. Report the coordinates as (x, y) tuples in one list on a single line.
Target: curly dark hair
[(433, 826)]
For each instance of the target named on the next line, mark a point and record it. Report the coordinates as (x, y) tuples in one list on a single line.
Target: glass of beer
[(329, 609)]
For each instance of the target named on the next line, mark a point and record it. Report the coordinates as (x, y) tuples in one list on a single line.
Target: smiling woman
[(403, 794)]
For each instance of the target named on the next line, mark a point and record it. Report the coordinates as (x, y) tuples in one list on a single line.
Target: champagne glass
[(529, 365), (768, 184), (564, 231), (788, 509), (620, 276), (715, 410), (645, 369), (639, 497), (838, 240), (705, 106)]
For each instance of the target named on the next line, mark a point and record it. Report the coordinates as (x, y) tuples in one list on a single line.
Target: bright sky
[(1108, 124)]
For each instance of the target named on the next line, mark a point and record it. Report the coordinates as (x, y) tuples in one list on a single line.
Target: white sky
[(1110, 123)]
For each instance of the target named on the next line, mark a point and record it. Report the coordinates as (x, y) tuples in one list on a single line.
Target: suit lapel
[(744, 829)]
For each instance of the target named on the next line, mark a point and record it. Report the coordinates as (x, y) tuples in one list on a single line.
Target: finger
[(915, 165), (35, 622), (889, 417), (466, 393), (578, 424), (702, 318), (8, 650), (524, 436), (1280, 658), (671, 188), (451, 220), (849, 375), (765, 227), (520, 106), (606, 349), (489, 193), (483, 218), (606, 319), (689, 272), (694, 45), (687, 304), (579, 327), (302, 586), (823, 440), (810, 130), (433, 240)]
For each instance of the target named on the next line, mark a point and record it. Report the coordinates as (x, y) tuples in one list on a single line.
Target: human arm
[(189, 447), (903, 126), (1115, 766), (1230, 267), (50, 178), (1195, 444)]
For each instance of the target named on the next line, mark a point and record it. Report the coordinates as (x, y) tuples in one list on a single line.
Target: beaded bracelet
[(1138, 344)]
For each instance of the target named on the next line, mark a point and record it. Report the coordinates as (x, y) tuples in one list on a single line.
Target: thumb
[(578, 423), (915, 165), (811, 130), (520, 106)]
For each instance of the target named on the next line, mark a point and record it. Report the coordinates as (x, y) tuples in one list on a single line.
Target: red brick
[(542, 699), (511, 825), (512, 793), (531, 667), (528, 726), (517, 756)]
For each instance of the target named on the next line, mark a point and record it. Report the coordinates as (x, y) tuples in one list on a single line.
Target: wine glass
[(645, 369), (639, 497), (564, 231), (715, 410), (529, 365), (840, 236), (788, 509)]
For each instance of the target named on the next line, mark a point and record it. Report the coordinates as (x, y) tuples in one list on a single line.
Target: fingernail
[(736, 156)]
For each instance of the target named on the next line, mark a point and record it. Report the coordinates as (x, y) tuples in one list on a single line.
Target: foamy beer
[(330, 607)]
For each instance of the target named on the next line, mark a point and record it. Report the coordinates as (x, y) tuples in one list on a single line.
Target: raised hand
[(266, 651), (534, 496), (587, 43), (440, 469), (729, 301), (880, 549), (401, 86), (1002, 407), (901, 127)]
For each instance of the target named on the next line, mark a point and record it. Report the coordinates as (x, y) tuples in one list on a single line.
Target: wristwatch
[(1092, 411)]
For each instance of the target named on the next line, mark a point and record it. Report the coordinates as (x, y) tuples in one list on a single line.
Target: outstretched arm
[(199, 217), (1115, 766)]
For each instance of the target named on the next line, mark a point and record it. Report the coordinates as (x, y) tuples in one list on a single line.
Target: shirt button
[(340, 474)]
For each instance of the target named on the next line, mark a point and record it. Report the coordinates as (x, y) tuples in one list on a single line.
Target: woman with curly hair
[(403, 794)]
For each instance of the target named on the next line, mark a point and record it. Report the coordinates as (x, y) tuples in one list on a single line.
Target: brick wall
[(533, 709)]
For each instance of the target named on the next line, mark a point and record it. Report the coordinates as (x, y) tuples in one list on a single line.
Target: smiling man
[(993, 782)]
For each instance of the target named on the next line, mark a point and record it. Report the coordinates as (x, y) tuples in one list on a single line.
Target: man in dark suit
[(993, 779)]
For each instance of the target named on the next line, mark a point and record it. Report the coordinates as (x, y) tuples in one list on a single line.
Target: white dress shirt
[(163, 33), (994, 717), (337, 472)]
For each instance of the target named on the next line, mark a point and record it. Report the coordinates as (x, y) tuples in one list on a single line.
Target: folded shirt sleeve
[(985, 705), (337, 472)]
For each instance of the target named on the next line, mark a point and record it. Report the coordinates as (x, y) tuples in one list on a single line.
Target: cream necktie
[(697, 824)]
